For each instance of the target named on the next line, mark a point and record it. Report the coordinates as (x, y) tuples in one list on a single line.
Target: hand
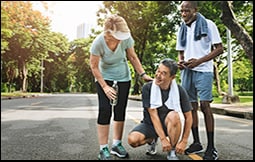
[(166, 146), (180, 147), (182, 65), (191, 63), (110, 92), (147, 78)]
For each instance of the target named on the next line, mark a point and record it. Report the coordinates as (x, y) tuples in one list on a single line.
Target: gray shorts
[(148, 130)]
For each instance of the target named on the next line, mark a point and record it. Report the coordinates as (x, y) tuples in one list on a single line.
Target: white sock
[(172, 153), (115, 142), (103, 146), (152, 142)]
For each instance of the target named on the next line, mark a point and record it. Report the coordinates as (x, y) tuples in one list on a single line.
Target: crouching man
[(162, 100)]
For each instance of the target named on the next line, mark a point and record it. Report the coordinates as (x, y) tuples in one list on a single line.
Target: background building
[(84, 30)]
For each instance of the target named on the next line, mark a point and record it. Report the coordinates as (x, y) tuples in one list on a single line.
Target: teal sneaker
[(104, 154), (119, 150)]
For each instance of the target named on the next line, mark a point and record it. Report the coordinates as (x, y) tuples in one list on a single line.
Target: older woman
[(110, 53)]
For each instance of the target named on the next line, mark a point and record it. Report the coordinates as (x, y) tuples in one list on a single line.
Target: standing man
[(162, 100), (198, 43)]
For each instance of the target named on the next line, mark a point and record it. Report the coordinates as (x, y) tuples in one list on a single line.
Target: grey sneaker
[(172, 157), (104, 154), (119, 150), (151, 150)]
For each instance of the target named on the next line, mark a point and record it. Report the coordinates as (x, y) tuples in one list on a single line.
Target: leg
[(103, 123), (103, 133), (119, 120), (205, 93), (120, 110), (189, 82), (211, 152), (173, 124), (136, 139), (142, 134), (118, 127), (209, 123), (195, 123)]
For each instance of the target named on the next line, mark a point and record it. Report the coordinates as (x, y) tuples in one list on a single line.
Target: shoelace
[(106, 152), (121, 148)]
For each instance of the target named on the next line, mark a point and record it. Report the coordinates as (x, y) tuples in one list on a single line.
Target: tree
[(149, 24), (27, 27), (228, 18)]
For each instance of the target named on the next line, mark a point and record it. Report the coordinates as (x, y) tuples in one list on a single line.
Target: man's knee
[(132, 139), (205, 106), (173, 118)]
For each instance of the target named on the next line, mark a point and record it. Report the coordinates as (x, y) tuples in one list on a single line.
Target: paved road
[(63, 127)]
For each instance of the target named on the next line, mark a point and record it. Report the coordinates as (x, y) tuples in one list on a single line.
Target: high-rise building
[(84, 29)]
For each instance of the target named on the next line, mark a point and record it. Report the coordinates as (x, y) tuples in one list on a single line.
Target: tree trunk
[(24, 73), (217, 80), (236, 29)]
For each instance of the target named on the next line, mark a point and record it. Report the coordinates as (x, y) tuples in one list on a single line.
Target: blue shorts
[(197, 84)]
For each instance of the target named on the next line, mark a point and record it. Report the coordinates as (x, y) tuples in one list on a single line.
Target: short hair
[(193, 4), (116, 23), (171, 64)]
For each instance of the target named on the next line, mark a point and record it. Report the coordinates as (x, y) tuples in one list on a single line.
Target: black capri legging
[(105, 109)]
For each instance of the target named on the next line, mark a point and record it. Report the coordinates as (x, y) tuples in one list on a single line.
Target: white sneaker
[(172, 156), (151, 150)]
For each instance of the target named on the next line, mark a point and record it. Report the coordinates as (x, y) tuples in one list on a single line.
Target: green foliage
[(26, 40), (4, 87)]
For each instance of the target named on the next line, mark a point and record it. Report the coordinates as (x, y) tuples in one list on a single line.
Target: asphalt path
[(63, 127)]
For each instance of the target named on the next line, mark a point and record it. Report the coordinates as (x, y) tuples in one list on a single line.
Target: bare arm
[(180, 147), (132, 57), (181, 63), (166, 146), (218, 49), (94, 62)]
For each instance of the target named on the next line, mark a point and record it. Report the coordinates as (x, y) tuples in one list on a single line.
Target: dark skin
[(188, 13)]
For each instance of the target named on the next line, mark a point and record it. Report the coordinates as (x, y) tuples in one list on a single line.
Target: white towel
[(173, 101)]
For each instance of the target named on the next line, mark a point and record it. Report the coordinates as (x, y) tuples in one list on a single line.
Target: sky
[(67, 15)]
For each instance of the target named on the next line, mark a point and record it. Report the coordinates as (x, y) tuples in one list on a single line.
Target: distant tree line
[(35, 59)]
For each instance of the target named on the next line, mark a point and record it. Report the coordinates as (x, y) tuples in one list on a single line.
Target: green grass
[(244, 100), (16, 94)]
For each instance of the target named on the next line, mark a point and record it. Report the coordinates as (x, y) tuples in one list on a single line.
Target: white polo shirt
[(200, 48)]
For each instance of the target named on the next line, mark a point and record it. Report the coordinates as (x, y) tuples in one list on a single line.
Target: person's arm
[(217, 50), (181, 62), (166, 146), (94, 62), (180, 147), (134, 60)]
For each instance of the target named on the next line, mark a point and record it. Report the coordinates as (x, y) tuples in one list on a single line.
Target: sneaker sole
[(99, 158), (151, 154), (195, 152), (121, 156), (212, 159), (172, 158)]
